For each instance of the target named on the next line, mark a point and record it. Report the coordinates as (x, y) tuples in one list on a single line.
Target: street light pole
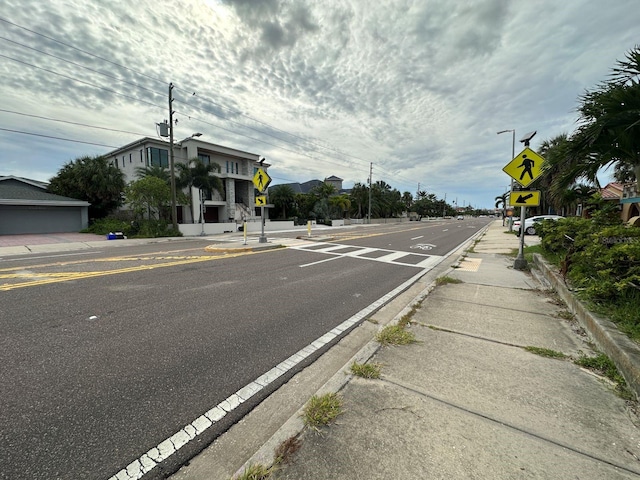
[(513, 154)]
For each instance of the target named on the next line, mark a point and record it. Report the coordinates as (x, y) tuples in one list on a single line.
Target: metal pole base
[(262, 239), (520, 264)]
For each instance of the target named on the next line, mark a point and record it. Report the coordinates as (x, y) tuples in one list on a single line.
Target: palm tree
[(154, 171), (324, 190), (609, 133), (283, 197), (200, 175), (341, 203), (503, 200), (359, 199), (407, 200)]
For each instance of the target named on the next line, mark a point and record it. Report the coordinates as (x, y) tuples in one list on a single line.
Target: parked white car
[(529, 223)]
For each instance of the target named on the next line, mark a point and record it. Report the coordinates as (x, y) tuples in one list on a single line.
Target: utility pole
[(370, 182), (444, 205), (172, 172)]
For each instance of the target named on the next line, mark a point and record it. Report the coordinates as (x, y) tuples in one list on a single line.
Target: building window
[(206, 159), (237, 170), (227, 163), (130, 157), (157, 157)]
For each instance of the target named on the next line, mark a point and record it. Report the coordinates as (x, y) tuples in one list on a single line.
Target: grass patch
[(446, 280), (530, 250), (257, 472), (603, 365), (545, 352), (322, 410), (366, 370), (395, 335), (565, 314), (623, 312)]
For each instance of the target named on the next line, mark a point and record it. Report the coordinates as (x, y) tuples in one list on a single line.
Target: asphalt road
[(104, 356)]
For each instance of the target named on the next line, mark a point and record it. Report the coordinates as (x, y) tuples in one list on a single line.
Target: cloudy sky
[(320, 88)]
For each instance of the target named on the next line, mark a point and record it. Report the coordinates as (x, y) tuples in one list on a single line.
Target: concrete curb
[(617, 346), (243, 248)]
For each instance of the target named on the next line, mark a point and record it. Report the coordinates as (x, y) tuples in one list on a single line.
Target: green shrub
[(602, 261), (107, 225)]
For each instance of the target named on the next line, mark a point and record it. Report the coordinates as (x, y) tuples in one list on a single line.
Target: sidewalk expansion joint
[(510, 426), (455, 300), (464, 334)]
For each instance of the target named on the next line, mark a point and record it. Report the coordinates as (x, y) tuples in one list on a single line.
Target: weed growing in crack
[(395, 335), (446, 280), (545, 352), (366, 370), (322, 410)]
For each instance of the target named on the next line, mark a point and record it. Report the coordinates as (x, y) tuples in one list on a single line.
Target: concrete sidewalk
[(467, 400)]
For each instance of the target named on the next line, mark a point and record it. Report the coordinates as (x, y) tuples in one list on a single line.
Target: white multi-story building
[(237, 169)]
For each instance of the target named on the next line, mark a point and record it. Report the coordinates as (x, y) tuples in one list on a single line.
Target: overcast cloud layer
[(319, 88)]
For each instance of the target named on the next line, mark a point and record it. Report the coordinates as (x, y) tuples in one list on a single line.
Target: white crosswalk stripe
[(364, 253)]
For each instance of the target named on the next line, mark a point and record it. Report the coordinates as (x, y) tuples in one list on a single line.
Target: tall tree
[(341, 204), (148, 195), (154, 171), (359, 200), (200, 175), (609, 131), (92, 179), (283, 198)]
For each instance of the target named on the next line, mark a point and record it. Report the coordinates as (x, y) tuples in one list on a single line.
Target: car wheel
[(530, 231)]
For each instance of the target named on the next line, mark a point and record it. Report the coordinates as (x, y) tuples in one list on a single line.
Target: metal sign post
[(524, 169), (261, 181)]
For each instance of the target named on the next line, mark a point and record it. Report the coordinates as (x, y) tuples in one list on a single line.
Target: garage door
[(39, 219)]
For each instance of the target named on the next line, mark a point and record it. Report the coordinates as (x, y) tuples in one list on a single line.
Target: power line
[(81, 50), (307, 140), (71, 123), (56, 138)]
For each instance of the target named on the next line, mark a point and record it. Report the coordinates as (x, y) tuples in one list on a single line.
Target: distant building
[(27, 208), (306, 187)]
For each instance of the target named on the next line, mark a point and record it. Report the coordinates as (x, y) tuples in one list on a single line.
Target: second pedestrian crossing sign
[(525, 168)]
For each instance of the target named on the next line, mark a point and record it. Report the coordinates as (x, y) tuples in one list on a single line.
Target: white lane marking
[(320, 261), (148, 461), (445, 230), (416, 238)]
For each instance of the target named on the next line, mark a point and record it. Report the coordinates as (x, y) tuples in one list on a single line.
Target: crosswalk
[(395, 257)]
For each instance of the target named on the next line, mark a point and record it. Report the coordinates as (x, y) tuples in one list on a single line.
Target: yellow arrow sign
[(261, 201), (525, 168), (525, 199), (261, 180)]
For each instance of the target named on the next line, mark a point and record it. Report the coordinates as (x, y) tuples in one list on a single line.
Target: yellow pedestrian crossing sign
[(261, 180), (525, 168), (525, 198), (261, 200)]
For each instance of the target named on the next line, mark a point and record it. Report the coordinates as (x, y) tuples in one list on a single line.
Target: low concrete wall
[(195, 229), (617, 346)]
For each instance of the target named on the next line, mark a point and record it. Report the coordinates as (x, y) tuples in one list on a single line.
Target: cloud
[(419, 88)]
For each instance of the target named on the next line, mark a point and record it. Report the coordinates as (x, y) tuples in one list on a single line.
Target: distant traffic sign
[(525, 168), (261, 180), (261, 200), (525, 198)]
